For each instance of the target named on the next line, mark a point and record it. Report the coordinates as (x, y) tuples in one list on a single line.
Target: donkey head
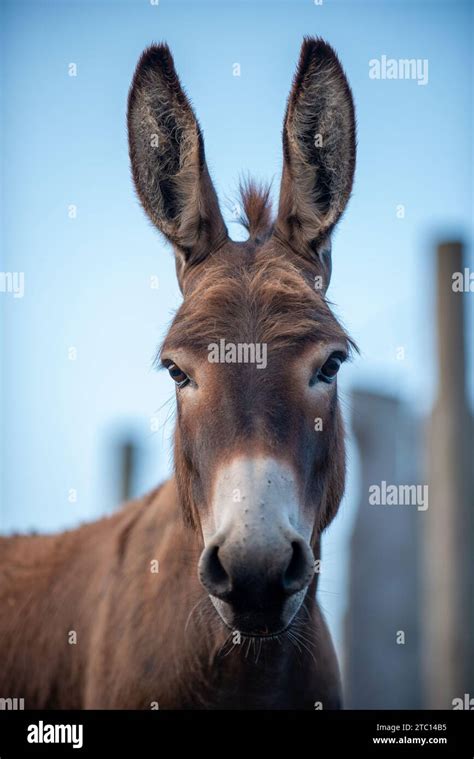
[(254, 349)]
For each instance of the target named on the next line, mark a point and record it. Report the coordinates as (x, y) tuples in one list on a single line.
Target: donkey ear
[(168, 163), (319, 155)]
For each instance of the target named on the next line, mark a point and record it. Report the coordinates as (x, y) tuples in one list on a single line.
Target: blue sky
[(87, 279)]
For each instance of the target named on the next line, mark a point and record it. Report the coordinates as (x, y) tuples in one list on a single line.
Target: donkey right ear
[(168, 163), (319, 155)]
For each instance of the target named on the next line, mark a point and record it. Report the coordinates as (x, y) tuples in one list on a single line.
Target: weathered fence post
[(448, 596)]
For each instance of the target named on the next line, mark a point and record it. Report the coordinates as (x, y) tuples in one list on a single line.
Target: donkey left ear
[(168, 163), (319, 147)]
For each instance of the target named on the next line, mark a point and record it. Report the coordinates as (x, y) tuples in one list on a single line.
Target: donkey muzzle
[(257, 565)]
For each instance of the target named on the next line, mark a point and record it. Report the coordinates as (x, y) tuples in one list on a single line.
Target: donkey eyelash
[(342, 355)]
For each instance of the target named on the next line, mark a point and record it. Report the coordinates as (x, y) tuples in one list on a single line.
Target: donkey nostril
[(295, 575), (215, 570), (212, 573)]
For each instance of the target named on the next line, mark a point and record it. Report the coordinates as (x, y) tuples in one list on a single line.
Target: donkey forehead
[(253, 295)]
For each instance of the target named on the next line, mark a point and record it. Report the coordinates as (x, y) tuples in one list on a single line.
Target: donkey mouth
[(258, 623)]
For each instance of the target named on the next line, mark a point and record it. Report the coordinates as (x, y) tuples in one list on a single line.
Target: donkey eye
[(178, 375), (327, 373)]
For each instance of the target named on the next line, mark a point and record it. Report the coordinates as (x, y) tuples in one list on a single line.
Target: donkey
[(202, 594)]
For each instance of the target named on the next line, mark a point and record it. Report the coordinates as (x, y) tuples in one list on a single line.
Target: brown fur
[(142, 637), (257, 210)]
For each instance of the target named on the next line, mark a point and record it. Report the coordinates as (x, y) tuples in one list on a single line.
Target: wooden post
[(384, 574), (128, 466), (448, 595)]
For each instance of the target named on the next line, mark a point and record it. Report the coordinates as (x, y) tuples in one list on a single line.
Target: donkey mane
[(256, 214)]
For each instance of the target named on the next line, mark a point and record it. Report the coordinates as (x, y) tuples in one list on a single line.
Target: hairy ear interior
[(319, 152), (168, 161)]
